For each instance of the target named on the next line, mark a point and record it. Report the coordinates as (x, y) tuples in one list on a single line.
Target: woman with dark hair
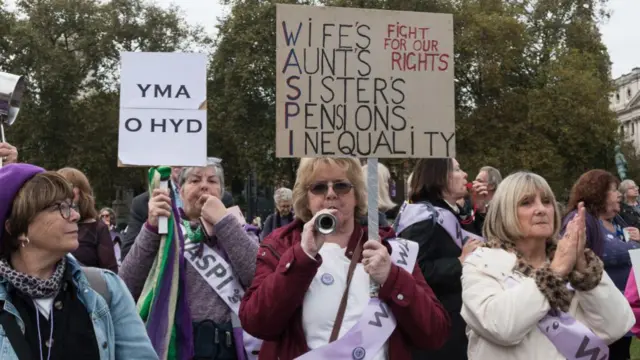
[(96, 246), (607, 234), (433, 220)]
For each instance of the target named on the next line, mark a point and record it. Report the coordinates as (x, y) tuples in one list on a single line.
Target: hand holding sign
[(8, 153), (376, 261), (159, 206)]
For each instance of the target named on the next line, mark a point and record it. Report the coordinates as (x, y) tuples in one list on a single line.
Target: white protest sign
[(364, 83), (163, 116)]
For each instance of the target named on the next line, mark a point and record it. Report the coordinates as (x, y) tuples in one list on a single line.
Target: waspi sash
[(570, 337), (370, 333), (218, 273), (410, 214)]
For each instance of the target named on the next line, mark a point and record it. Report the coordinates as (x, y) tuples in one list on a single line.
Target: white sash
[(370, 333), (219, 274)]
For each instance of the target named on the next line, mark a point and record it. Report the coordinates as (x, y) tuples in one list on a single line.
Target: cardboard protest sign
[(163, 116), (364, 83)]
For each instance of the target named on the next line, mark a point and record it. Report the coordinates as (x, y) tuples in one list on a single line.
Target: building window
[(629, 93), (633, 128), (617, 97), (622, 129)]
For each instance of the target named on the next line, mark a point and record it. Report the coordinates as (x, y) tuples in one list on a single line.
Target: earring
[(24, 242)]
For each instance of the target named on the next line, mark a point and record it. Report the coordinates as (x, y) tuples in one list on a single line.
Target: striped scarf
[(163, 305)]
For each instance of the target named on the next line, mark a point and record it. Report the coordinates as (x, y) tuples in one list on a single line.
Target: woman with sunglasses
[(52, 307), (310, 297)]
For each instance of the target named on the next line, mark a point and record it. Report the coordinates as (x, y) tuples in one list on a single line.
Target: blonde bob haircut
[(306, 175), (501, 223)]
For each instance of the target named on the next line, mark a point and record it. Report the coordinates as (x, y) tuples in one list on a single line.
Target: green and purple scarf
[(163, 305)]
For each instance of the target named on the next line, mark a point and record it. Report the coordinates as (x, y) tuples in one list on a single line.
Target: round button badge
[(358, 353), (327, 279)]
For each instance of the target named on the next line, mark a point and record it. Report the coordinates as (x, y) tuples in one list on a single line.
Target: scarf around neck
[(31, 286)]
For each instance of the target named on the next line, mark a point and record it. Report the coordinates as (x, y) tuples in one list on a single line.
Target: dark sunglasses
[(322, 188)]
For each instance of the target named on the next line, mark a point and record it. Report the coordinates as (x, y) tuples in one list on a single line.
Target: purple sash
[(571, 338), (413, 213), (450, 223), (365, 339)]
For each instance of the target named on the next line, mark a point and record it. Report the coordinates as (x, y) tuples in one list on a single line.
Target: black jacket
[(630, 215), (438, 259)]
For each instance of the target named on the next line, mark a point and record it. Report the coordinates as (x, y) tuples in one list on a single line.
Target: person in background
[(283, 214), (8, 153), (139, 211), (108, 216), (514, 286), (631, 293), (96, 245), (436, 185), (64, 311), (489, 178), (294, 302), (384, 200), (629, 207), (606, 233)]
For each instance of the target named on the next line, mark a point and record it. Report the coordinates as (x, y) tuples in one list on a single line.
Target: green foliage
[(532, 84), (69, 51)]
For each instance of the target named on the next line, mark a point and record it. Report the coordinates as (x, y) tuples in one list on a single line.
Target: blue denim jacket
[(120, 332)]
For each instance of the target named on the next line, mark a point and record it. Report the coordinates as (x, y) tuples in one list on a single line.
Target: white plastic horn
[(12, 88), (326, 224)]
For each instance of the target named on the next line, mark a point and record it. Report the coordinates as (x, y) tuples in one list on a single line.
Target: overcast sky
[(619, 33)]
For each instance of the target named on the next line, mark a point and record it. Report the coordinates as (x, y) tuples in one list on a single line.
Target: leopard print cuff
[(554, 288), (590, 278)]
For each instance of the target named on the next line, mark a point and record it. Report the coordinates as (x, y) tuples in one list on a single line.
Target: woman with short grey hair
[(219, 262), (283, 198), (629, 206)]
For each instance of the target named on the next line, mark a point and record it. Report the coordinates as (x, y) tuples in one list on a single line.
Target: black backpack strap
[(15, 336)]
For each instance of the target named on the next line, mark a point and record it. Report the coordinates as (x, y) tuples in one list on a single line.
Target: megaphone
[(12, 88)]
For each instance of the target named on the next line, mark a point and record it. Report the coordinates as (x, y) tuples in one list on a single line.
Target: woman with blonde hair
[(96, 245), (516, 300), (310, 295)]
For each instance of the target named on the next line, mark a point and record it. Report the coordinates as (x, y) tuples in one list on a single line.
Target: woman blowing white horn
[(310, 295)]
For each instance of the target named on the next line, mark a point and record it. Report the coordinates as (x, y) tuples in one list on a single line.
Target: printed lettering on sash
[(591, 354), (219, 275), (383, 313)]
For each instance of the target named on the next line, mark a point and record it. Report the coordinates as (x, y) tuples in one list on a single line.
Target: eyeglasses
[(104, 216), (65, 209), (322, 188)]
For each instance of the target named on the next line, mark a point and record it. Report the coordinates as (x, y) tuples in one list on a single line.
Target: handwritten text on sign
[(366, 83)]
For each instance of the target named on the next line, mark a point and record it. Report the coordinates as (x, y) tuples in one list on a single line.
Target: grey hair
[(283, 194), (624, 186), (212, 163), (494, 178)]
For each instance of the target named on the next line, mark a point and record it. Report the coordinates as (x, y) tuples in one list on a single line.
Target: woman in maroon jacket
[(305, 295)]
